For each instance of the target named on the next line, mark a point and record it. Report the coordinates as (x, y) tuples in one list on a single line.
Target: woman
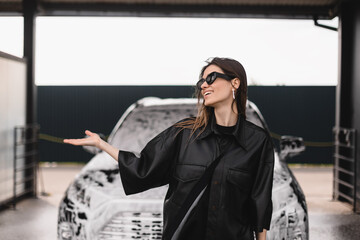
[(218, 165)]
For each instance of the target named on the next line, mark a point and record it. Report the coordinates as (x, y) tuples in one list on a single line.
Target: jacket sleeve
[(262, 189), (151, 169)]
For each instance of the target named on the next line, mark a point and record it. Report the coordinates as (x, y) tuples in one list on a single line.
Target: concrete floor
[(36, 219), (328, 219)]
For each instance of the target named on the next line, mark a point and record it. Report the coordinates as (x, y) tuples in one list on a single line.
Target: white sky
[(171, 51)]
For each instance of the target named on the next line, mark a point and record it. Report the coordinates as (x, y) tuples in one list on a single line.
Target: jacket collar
[(239, 132)]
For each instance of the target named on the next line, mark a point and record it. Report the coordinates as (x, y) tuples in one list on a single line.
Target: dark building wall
[(67, 111), (303, 111)]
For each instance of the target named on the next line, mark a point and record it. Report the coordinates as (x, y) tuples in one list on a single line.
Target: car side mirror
[(291, 146), (92, 149)]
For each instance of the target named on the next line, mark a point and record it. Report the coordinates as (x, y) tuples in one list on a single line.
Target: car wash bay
[(347, 114)]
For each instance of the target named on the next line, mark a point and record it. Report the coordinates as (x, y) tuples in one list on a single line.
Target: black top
[(195, 226), (225, 129), (234, 212)]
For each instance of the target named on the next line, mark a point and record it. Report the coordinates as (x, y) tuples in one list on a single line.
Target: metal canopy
[(297, 9)]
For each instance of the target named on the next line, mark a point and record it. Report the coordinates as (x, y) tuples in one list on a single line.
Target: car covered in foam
[(95, 206)]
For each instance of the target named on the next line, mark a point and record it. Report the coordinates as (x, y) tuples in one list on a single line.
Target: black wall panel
[(67, 111), (303, 111)]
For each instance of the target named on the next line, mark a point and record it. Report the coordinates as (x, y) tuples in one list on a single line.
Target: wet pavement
[(32, 219), (334, 226), (328, 219), (36, 218)]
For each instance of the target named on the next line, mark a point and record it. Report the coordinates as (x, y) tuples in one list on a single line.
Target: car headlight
[(65, 231)]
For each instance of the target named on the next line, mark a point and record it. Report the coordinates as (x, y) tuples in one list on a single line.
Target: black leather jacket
[(241, 186)]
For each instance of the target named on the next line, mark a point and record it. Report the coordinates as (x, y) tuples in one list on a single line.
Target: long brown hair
[(230, 67)]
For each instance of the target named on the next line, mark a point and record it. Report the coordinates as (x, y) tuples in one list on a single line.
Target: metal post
[(347, 98), (336, 163), (29, 11), (356, 205), (14, 178)]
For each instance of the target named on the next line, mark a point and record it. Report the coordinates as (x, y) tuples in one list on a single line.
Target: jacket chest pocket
[(238, 190), (186, 176), (239, 178), (188, 172)]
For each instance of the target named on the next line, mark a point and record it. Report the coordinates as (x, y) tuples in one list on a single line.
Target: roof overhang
[(289, 9)]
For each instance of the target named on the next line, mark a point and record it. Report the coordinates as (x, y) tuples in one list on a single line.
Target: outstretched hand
[(93, 140)]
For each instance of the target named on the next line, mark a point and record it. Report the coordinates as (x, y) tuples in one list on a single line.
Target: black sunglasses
[(211, 78)]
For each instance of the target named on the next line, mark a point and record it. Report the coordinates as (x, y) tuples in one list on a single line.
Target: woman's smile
[(207, 93)]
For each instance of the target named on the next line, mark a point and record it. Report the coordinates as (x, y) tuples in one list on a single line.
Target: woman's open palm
[(93, 140)]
